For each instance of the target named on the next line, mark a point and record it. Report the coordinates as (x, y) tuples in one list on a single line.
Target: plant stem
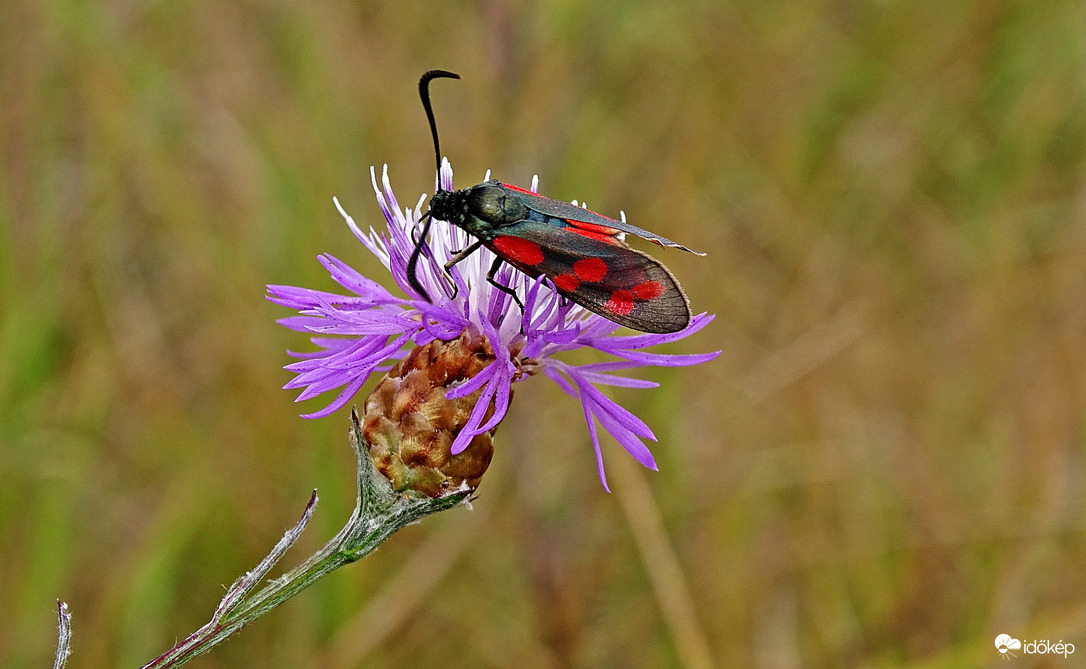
[(64, 636), (378, 514)]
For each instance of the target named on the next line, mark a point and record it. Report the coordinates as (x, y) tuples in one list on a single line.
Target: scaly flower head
[(418, 442)]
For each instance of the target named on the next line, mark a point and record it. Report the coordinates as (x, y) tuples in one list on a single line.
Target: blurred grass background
[(884, 467)]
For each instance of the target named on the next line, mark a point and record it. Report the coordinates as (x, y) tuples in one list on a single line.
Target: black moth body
[(581, 252)]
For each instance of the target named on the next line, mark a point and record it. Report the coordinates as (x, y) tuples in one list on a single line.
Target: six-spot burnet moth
[(581, 252)]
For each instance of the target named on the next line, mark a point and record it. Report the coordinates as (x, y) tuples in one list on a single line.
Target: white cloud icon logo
[(1005, 643)]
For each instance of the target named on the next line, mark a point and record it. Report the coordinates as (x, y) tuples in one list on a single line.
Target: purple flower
[(371, 329)]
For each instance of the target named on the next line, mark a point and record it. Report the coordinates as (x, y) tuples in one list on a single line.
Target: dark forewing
[(600, 273), (574, 215)]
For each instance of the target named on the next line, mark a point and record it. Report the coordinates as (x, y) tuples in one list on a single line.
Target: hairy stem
[(64, 636), (379, 513)]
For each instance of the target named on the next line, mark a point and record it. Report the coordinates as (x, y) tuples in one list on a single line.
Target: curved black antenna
[(424, 93), (413, 261)]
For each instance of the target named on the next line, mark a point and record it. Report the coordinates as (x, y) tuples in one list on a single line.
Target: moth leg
[(457, 257), (505, 289), (456, 288), (464, 253)]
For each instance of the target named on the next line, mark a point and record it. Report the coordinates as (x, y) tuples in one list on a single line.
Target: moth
[(582, 253)]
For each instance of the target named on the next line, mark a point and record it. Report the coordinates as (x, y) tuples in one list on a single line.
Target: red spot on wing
[(523, 251), (574, 226), (520, 190), (567, 282), (593, 228), (602, 233), (648, 290), (621, 302), (590, 269)]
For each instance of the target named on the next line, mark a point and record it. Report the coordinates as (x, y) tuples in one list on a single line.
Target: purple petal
[(303, 323), (617, 411), (471, 385), (667, 359), (628, 439), (471, 428), (644, 340), (350, 279), (340, 400), (552, 373), (620, 381), (590, 421), (501, 396)]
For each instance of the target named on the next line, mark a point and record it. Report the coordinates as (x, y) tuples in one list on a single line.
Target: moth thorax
[(493, 204)]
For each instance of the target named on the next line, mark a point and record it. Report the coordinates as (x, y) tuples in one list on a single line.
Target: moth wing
[(589, 220), (597, 271)]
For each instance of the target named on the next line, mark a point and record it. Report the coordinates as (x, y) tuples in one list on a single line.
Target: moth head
[(445, 205)]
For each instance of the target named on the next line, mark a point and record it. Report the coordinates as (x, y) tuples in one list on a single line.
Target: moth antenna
[(413, 261), (424, 93)]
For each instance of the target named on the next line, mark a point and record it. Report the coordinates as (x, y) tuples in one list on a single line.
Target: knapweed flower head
[(450, 363)]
